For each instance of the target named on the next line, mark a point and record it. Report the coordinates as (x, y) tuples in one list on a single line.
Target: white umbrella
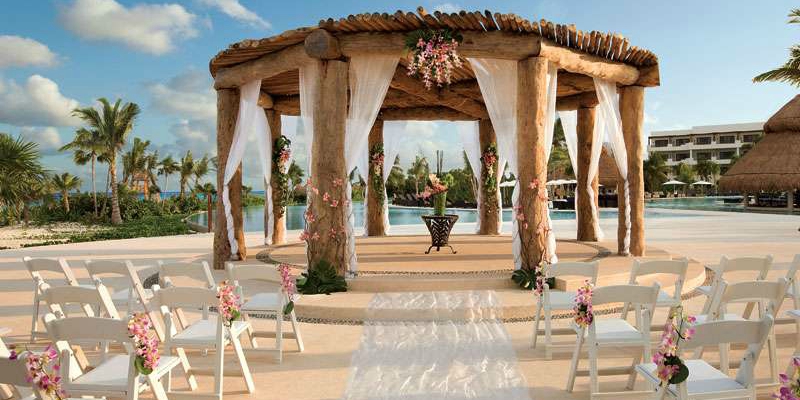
[(703, 183), (508, 184), (571, 182), (672, 182)]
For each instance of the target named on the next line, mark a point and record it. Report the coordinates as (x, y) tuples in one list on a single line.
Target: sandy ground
[(17, 236), (321, 371)]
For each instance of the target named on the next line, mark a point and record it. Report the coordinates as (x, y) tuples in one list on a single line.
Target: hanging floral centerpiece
[(289, 286), (281, 153), (489, 170), (43, 371), (584, 315), (229, 304), (669, 366), (145, 343), (376, 164), (434, 55), (790, 385)]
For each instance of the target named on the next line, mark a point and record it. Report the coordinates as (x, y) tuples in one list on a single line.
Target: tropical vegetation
[(789, 72)]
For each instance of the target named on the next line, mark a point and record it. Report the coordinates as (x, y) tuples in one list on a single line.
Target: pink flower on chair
[(145, 343)]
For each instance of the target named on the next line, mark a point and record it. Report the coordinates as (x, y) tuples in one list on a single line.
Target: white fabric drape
[(250, 121), (291, 135), (469, 133), (370, 76), (498, 82), (608, 117), (549, 131), (569, 121), (305, 123), (391, 148)]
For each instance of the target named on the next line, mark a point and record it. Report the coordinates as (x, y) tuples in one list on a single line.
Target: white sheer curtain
[(370, 76), (498, 82), (569, 121), (291, 135), (250, 121), (469, 133), (608, 117), (391, 148), (549, 131)]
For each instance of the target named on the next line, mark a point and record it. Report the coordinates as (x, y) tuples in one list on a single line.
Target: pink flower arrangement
[(541, 190), (584, 315), (670, 369), (43, 371), (434, 187), (289, 286), (435, 56), (284, 156), (229, 304), (145, 343), (790, 386)]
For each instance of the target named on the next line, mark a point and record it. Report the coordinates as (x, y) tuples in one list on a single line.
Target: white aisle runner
[(457, 349)]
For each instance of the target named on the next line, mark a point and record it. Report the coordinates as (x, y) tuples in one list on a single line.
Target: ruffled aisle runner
[(435, 345)]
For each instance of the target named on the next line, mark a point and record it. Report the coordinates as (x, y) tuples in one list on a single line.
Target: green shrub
[(526, 279), (322, 279)]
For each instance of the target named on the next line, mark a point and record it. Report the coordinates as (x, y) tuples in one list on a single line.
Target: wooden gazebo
[(579, 55)]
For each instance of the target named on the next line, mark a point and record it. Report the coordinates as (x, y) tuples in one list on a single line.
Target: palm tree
[(87, 146), (134, 160), (686, 173), (209, 191), (113, 123), (655, 172), (20, 169), (790, 71), (150, 171), (707, 169), (201, 169), (186, 170), (419, 172), (65, 183), (397, 178), (167, 167)]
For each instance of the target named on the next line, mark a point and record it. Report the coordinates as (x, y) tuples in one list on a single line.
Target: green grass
[(165, 225)]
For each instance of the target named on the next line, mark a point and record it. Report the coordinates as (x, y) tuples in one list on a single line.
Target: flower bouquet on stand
[(669, 366), (145, 343)]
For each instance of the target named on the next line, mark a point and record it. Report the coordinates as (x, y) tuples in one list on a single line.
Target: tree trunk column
[(583, 209), (531, 161), (631, 99), (279, 213), (375, 213), (489, 210), (327, 233), (227, 111)]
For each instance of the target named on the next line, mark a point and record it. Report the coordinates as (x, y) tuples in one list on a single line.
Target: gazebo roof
[(772, 164), (514, 38)]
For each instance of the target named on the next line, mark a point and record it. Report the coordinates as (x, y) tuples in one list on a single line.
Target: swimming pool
[(711, 203), (254, 216)]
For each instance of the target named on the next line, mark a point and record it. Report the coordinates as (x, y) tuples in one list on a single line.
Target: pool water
[(711, 203), (254, 216)]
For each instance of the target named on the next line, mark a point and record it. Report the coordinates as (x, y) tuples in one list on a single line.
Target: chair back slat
[(584, 269), (255, 272), (198, 271), (57, 297), (108, 268), (57, 265), (178, 297), (87, 329), (634, 294), (673, 267), (755, 264), (750, 291)]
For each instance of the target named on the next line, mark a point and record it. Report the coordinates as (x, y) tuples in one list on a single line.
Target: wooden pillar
[(531, 161), (583, 208), (375, 213), (489, 210), (227, 111), (631, 99), (328, 240), (279, 213), (621, 227)]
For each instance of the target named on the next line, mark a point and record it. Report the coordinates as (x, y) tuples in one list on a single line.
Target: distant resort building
[(716, 143)]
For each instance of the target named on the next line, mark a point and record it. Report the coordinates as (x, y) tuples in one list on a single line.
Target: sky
[(56, 55)]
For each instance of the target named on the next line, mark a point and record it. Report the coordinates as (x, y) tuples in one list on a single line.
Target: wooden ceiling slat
[(512, 20), (472, 20), (429, 19), (493, 24), (446, 20)]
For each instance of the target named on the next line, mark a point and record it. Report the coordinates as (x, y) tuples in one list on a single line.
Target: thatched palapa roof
[(774, 162)]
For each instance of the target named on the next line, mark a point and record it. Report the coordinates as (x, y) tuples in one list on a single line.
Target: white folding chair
[(551, 300), (131, 293), (706, 382), (205, 333), (674, 269), (768, 295), (793, 292), (271, 301), (615, 332), (115, 377), (757, 266), (184, 272), (50, 270)]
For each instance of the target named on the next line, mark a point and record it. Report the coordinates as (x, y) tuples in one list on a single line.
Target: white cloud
[(38, 103), (197, 136), (237, 11), (47, 137), (17, 51), (151, 28), (448, 8), (189, 95)]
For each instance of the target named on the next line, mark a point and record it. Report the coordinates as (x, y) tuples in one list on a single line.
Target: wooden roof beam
[(263, 67), (402, 81), (576, 101), (581, 63)]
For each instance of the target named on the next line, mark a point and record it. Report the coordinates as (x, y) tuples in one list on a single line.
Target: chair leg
[(158, 390), (35, 316), (536, 319), (724, 365), (248, 379), (548, 333), (219, 362), (773, 358), (573, 369), (633, 374), (594, 384), (296, 330), (187, 369), (279, 334), (250, 332)]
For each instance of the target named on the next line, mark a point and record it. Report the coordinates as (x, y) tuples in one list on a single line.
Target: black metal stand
[(439, 226)]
